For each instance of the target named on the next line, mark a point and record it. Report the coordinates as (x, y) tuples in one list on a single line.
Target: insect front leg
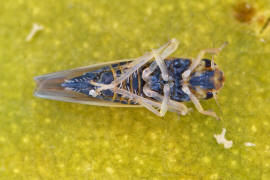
[(197, 103), (164, 52), (197, 61)]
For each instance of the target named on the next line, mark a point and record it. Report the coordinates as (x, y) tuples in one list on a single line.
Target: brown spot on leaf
[(244, 12)]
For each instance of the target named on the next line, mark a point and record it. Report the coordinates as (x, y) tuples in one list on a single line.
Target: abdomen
[(106, 75)]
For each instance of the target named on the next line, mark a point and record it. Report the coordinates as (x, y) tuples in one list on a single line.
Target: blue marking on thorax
[(175, 67), (203, 80)]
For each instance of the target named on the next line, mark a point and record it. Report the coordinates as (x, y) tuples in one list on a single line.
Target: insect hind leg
[(147, 103), (159, 55)]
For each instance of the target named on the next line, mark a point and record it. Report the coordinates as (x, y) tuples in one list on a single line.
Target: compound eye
[(209, 95), (207, 62)]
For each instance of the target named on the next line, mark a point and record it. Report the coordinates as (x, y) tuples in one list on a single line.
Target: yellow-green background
[(44, 139)]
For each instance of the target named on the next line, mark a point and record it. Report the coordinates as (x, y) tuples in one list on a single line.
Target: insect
[(154, 81)]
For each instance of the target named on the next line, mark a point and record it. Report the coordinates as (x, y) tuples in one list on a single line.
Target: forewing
[(49, 86)]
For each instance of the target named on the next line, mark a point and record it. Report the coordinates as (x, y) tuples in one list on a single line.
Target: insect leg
[(197, 104), (162, 66), (169, 48), (150, 108), (167, 103), (137, 64), (147, 71), (147, 103), (197, 61), (159, 61), (164, 99), (166, 50), (153, 105), (178, 107)]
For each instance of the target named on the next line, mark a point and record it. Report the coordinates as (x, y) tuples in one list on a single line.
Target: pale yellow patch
[(109, 170)]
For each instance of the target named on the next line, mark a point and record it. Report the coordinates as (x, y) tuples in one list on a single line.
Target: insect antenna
[(224, 45), (212, 62), (218, 105)]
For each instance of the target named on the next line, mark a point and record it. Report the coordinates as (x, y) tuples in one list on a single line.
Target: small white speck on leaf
[(262, 40), (36, 28), (249, 144), (222, 140)]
